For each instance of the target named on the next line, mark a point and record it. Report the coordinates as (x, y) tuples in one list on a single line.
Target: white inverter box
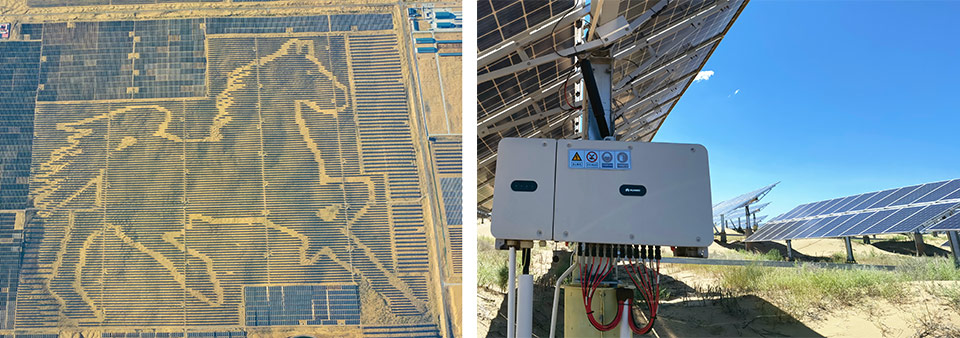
[(603, 192)]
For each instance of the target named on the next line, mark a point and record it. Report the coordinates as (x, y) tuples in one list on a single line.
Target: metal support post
[(846, 241), (747, 230), (525, 306), (625, 331), (556, 298), (918, 241), (789, 250), (596, 78), (954, 247), (511, 294), (723, 230)]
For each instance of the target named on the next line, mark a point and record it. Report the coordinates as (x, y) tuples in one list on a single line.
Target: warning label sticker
[(598, 159)]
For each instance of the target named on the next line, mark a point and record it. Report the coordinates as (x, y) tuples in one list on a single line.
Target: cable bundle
[(647, 281), (643, 267), (590, 282)]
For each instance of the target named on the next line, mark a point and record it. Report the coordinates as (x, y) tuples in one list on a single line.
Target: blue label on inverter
[(598, 159)]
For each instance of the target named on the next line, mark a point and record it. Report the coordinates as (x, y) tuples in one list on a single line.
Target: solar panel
[(727, 207), (951, 223), (742, 211), (526, 67), (898, 210)]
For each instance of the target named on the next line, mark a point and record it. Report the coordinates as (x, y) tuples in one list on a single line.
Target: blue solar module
[(889, 199), (812, 227), (941, 192), (852, 229), (794, 227), (809, 209), (819, 210), (788, 227), (770, 229), (884, 224), (923, 190), (951, 223), (842, 203), (872, 199), (952, 195), (794, 211), (925, 214), (854, 202), (827, 226)]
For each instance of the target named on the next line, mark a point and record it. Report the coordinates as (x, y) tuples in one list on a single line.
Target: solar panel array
[(452, 191), (402, 331), (897, 210), (312, 304), (18, 90), (11, 237), (303, 121), (654, 65), (63, 3)]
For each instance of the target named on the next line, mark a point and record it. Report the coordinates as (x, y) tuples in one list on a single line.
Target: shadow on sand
[(764, 247), (910, 248), (688, 312)]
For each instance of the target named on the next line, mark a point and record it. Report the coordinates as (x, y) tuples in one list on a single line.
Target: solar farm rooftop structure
[(218, 175), (527, 75), (899, 210)]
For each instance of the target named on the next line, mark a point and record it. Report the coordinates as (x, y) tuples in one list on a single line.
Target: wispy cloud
[(703, 75)]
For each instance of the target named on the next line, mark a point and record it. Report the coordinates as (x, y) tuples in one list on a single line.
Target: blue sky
[(830, 98)]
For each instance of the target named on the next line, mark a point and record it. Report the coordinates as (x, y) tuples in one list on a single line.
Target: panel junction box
[(602, 192)]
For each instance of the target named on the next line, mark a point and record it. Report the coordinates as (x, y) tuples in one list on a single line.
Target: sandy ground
[(450, 70), (699, 308), (432, 101)]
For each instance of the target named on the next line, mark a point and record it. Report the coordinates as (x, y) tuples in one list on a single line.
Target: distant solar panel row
[(60, 3), (890, 211), (914, 194), (447, 154), (729, 207), (313, 304), (298, 24), (405, 331), (451, 188)]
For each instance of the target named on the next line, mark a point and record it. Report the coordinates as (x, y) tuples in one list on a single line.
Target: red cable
[(654, 287), (588, 300)]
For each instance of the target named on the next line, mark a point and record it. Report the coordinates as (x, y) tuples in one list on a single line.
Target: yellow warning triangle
[(576, 157)]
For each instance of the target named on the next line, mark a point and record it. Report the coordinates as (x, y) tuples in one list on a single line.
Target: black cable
[(554, 31), (526, 261)]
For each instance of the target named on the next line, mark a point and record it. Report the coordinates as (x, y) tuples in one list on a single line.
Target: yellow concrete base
[(575, 322)]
